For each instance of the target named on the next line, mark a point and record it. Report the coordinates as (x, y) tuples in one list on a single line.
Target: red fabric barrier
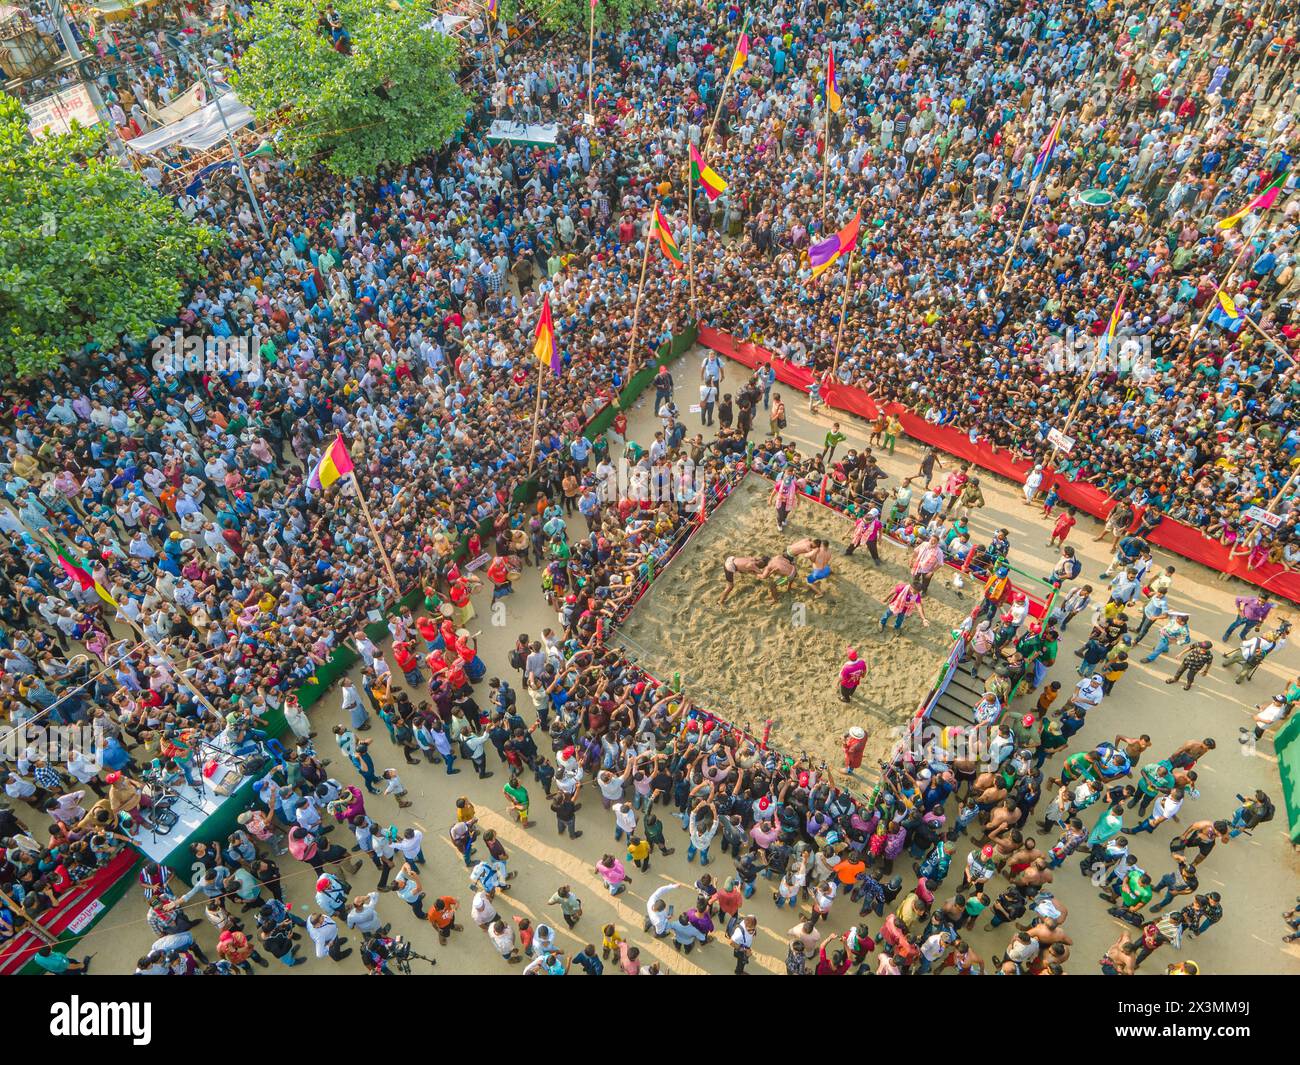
[(838, 396), (1170, 534)]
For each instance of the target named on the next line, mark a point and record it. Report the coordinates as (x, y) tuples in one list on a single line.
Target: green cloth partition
[(1287, 746), (640, 381)]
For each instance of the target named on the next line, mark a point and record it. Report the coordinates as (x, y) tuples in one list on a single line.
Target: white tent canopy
[(198, 131)]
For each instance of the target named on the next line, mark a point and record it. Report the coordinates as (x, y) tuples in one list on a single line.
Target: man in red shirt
[(498, 572), (1064, 524)]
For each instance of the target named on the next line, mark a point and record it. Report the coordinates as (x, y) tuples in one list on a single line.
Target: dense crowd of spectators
[(399, 312)]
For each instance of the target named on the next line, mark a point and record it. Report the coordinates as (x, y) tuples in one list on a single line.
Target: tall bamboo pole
[(1242, 548), (180, 671), (1268, 338), (1212, 302), (537, 411), (640, 291), (690, 227), (1092, 365), (826, 155), (726, 82), (591, 48), (1024, 217), (40, 932), (374, 533), (844, 307), (1078, 397), (487, 19)]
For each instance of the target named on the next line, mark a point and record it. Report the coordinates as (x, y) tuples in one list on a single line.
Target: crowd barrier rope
[(1173, 535)]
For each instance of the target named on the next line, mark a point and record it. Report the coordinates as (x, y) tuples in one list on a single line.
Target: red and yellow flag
[(1262, 202), (742, 53), (666, 243), (335, 463), (81, 577), (833, 100), (544, 339), (713, 184)]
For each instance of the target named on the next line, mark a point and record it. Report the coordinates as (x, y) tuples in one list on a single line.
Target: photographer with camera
[(379, 951)]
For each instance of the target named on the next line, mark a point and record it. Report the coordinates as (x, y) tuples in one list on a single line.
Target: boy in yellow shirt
[(609, 941)]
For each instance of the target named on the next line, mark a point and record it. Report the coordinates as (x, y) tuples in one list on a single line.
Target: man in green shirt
[(1156, 778), (834, 438), (1134, 894), (60, 964), (518, 797), (1108, 827)]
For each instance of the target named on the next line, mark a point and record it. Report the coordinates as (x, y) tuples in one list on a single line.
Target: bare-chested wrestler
[(779, 572), (733, 564), (821, 567), (803, 546)]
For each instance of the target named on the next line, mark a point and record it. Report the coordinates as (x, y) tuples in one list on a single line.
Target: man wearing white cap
[(1266, 714)]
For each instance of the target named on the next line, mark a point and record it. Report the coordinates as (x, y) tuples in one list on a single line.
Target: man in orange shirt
[(848, 870), (442, 915)]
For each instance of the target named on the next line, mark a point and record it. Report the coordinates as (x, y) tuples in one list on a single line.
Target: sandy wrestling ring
[(752, 660)]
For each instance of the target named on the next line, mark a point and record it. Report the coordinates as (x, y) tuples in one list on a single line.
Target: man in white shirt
[(324, 933), (658, 911), (742, 942), (410, 843), (1165, 808)]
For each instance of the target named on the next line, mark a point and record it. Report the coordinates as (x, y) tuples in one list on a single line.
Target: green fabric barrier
[(640, 381), (343, 659), (220, 823), (1287, 746)]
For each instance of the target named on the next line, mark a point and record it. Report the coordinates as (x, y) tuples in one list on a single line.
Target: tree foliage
[(572, 15), (88, 254), (385, 96)]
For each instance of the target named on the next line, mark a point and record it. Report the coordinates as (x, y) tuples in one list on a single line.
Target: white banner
[(523, 132), (1060, 441), (185, 104), (55, 114), (1260, 514)]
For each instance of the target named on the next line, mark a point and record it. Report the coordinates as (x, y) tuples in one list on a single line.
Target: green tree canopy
[(573, 14), (385, 95), (88, 254)]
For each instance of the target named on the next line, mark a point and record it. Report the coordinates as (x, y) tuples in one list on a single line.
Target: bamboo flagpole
[(1111, 330), (591, 66), (826, 154), (640, 291), (374, 533), (744, 30), (1041, 163), (1020, 229), (1268, 338), (844, 308), (537, 411), (1244, 548), (489, 13), (80, 575), (690, 227), (179, 666), (1213, 301), (546, 354)]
